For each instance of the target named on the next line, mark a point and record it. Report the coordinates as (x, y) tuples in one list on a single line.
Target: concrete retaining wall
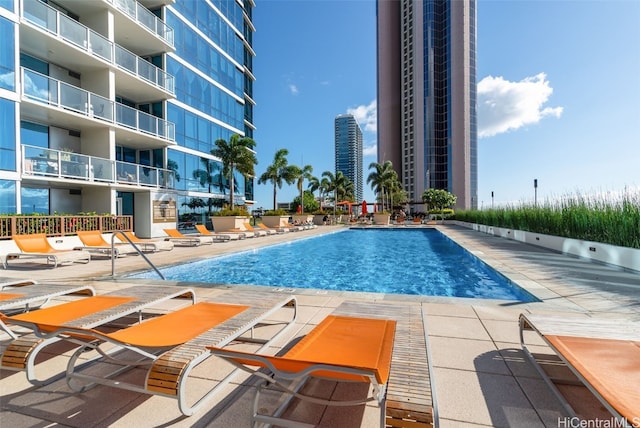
[(628, 258)]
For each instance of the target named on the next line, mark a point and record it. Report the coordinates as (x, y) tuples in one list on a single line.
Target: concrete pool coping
[(481, 376)]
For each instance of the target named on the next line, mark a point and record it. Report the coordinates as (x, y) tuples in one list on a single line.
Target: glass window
[(8, 197), (7, 55), (176, 163), (34, 200), (34, 134), (7, 4), (7, 135), (34, 64)]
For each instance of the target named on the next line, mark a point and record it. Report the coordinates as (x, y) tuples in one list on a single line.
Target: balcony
[(68, 98), (72, 36), (144, 17), (41, 163)]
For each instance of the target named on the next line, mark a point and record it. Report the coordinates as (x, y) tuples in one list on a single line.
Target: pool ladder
[(133, 244)]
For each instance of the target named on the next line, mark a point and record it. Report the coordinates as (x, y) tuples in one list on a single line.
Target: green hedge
[(608, 219)]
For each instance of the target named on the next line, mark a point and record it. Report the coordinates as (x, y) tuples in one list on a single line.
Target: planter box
[(318, 219), (379, 218), (302, 218), (628, 258), (275, 220), (226, 223)]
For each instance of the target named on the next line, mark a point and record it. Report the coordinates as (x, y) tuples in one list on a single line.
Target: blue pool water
[(401, 261)]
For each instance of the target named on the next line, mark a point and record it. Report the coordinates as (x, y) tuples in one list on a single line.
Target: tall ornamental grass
[(610, 219)]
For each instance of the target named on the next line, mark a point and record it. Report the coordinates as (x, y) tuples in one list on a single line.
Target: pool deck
[(479, 373)]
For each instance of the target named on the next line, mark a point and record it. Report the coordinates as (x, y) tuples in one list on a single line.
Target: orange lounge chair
[(604, 354), (37, 246), (171, 345), (256, 232), (94, 242), (293, 227), (324, 353), (151, 245), (90, 312), (181, 239), (269, 229), (218, 236), (25, 296)]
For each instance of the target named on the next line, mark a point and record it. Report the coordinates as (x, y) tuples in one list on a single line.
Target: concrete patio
[(479, 372)]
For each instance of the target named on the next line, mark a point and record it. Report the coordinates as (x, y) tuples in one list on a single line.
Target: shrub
[(276, 212), (241, 212)]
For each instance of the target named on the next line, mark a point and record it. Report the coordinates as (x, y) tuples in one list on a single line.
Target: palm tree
[(321, 185), (236, 155), (340, 185), (382, 179), (301, 174), (279, 171)]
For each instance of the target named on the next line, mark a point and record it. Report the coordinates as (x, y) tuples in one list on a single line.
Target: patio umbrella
[(299, 209), (347, 203), (375, 208), (364, 207)]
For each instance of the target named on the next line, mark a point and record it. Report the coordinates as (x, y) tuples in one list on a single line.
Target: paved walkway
[(481, 378)]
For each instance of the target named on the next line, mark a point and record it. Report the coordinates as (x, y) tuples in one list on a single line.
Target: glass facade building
[(348, 151), (116, 105), (427, 120)]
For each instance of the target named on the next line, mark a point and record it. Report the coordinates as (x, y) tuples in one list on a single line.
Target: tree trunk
[(231, 187)]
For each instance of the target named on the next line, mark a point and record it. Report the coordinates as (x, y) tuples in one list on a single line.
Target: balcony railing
[(61, 225), (144, 17), (50, 163), (40, 87), (49, 19)]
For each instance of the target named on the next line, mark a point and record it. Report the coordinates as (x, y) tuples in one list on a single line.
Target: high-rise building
[(348, 151), (427, 125), (114, 106)]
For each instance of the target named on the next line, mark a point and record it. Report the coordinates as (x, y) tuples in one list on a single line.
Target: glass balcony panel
[(73, 165), (147, 175), (41, 15), (125, 59), (147, 71), (147, 19), (148, 123), (126, 116), (126, 6), (101, 46), (102, 169), (39, 87), (40, 161), (101, 107), (126, 172), (74, 98), (74, 32)]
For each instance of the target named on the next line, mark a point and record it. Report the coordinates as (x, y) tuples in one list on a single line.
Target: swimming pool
[(398, 261)]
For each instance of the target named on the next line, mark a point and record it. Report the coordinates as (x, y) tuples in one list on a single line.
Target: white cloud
[(366, 115), (370, 150), (505, 106), (293, 89)]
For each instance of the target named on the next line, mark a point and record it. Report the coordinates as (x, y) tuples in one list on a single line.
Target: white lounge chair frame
[(55, 259), (145, 296)]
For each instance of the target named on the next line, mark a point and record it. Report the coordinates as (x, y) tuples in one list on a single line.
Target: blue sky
[(558, 92)]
